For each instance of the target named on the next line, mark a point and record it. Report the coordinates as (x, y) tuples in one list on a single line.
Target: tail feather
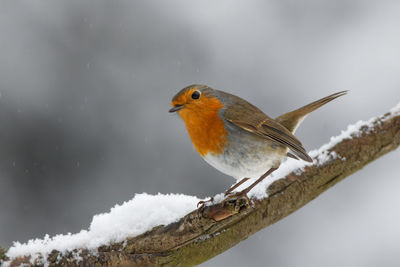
[(292, 119)]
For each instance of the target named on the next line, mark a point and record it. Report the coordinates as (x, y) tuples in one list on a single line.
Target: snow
[(145, 211), (395, 110), (129, 219)]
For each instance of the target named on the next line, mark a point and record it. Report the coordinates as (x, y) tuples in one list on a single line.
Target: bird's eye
[(196, 95)]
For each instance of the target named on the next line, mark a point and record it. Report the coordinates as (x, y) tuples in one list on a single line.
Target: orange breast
[(205, 127)]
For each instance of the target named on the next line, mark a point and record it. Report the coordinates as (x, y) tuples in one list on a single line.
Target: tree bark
[(198, 237)]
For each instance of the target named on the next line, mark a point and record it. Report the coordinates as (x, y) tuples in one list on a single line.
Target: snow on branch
[(166, 229)]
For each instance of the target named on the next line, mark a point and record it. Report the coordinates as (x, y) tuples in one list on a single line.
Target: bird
[(237, 138)]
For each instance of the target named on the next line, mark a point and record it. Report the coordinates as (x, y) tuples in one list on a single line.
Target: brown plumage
[(293, 118), (236, 137), (255, 121)]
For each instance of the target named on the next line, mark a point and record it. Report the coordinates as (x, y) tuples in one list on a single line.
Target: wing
[(251, 119)]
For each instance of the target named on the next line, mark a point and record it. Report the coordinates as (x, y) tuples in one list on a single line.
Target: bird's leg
[(203, 203), (235, 186), (243, 193)]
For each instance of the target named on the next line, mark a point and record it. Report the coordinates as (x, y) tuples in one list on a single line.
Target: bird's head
[(199, 106), (195, 101)]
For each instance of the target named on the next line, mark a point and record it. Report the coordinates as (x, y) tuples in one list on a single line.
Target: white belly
[(247, 155), (243, 166)]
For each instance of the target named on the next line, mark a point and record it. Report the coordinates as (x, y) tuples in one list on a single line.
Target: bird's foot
[(239, 199), (232, 204), (203, 203)]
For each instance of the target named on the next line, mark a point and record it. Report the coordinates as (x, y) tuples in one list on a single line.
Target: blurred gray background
[(86, 85)]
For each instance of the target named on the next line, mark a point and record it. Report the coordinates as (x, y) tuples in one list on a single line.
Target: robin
[(236, 137)]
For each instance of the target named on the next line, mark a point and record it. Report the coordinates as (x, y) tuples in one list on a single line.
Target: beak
[(176, 108)]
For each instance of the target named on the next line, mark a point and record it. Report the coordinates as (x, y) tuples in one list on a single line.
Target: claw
[(202, 203), (237, 199)]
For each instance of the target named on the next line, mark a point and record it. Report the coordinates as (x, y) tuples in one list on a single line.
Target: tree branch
[(198, 237)]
